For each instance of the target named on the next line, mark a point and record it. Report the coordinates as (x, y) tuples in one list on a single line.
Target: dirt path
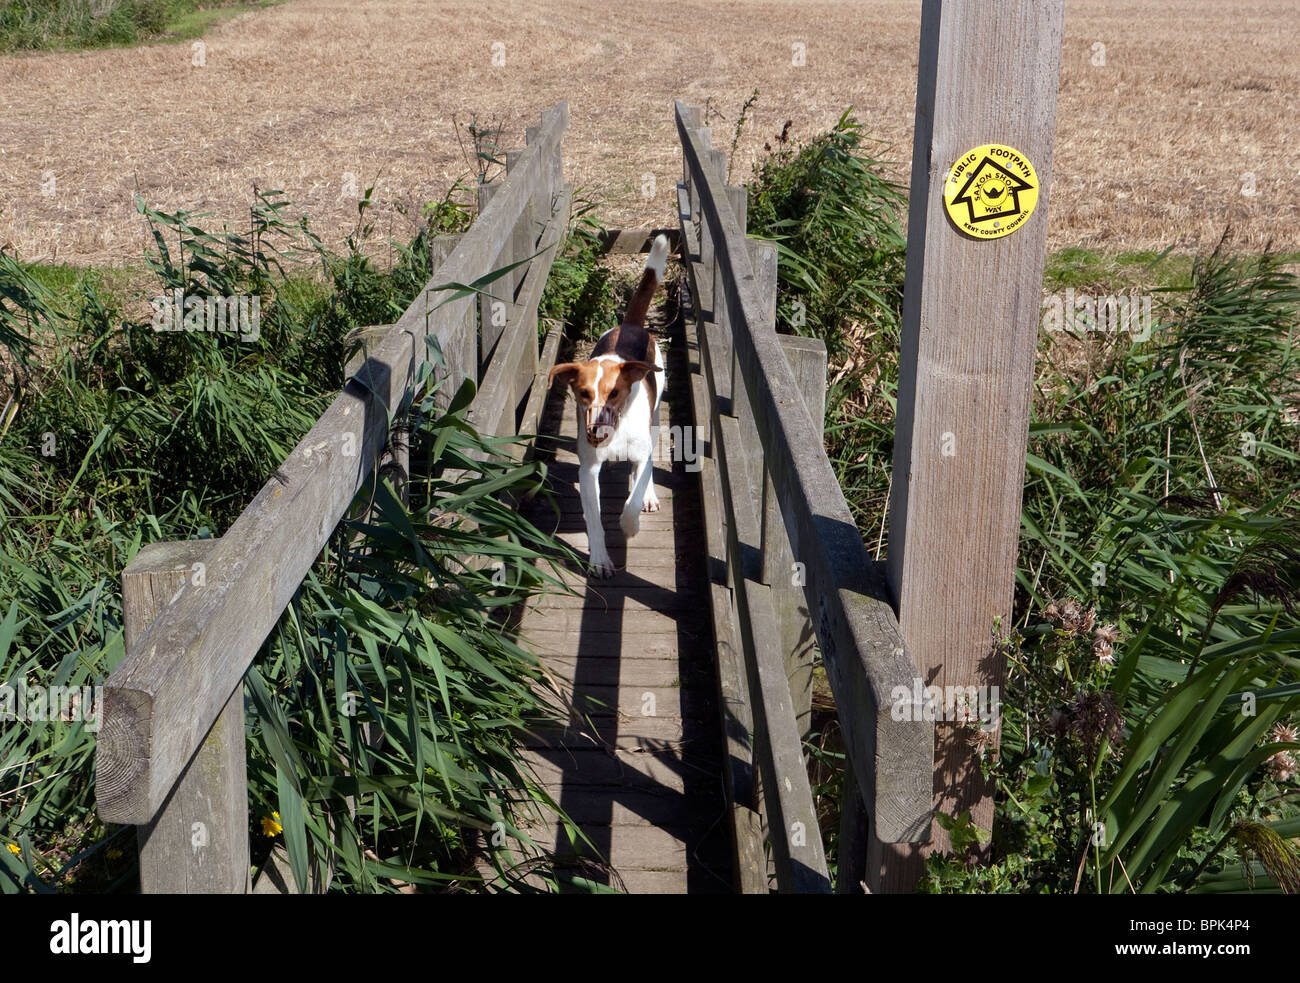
[(1153, 148)]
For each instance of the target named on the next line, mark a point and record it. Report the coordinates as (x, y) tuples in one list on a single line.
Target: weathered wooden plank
[(659, 807), (486, 239), (693, 119), (749, 864), (737, 401), (528, 227), (551, 135), (659, 569), (618, 242), (198, 843), (627, 733), (644, 770), (632, 846), (607, 597), (702, 137), (648, 647), (969, 332), (648, 540), (537, 394), (644, 701), (856, 627), (459, 342), (515, 356), (800, 861), (636, 881), (778, 749), (163, 698), (496, 302), (630, 672), (367, 339), (853, 839), (807, 359)]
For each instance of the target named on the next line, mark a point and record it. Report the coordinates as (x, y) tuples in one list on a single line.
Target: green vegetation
[(385, 709), (579, 292), (836, 219), (40, 25), (1149, 738)]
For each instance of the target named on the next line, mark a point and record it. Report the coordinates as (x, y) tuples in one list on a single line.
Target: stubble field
[(1161, 145)]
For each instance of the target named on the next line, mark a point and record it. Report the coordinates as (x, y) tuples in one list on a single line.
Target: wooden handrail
[(164, 697), (852, 614)]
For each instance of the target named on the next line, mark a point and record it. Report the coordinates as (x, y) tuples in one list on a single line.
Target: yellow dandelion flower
[(15, 848), (271, 825)]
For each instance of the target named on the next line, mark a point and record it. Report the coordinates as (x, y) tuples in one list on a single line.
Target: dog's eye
[(585, 395)]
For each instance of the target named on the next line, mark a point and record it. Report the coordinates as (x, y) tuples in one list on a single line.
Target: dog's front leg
[(589, 486), (642, 498)]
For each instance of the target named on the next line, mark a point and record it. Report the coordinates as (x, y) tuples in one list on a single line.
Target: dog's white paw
[(601, 565), (651, 503), (630, 523)]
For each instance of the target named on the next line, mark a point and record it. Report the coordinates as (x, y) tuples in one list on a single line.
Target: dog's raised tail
[(650, 280)]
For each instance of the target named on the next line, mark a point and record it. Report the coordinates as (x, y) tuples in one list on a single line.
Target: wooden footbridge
[(686, 679)]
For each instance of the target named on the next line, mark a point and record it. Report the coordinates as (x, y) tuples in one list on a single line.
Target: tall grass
[(579, 290), (386, 707), (33, 25), (835, 215), (1149, 726)]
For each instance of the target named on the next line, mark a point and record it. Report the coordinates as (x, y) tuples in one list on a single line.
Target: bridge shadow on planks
[(638, 767)]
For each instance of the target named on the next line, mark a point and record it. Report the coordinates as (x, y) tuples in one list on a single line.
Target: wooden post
[(988, 74), (461, 348), (197, 842), (851, 869), (556, 118), (807, 358), (527, 228), (738, 198), (527, 235), (692, 248), (493, 318), (706, 236)]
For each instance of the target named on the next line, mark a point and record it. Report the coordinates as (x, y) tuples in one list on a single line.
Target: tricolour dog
[(618, 391)]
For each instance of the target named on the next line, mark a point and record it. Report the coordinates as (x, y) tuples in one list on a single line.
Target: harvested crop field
[(1163, 144)]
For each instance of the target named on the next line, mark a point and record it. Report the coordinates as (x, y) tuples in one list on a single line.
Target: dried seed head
[(1095, 717), (1106, 633), (1282, 766), (1087, 621), (1071, 617)]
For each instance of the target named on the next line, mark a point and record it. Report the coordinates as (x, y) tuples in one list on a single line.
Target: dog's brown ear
[(566, 372), (636, 371)]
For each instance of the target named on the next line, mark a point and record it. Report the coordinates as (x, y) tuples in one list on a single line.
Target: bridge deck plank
[(638, 768)]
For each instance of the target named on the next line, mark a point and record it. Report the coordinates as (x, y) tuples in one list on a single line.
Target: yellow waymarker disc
[(990, 191)]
